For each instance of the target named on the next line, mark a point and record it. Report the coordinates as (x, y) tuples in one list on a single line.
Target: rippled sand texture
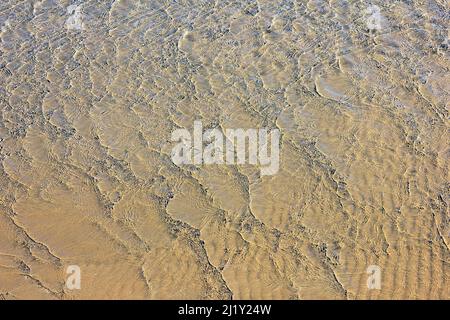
[(86, 177)]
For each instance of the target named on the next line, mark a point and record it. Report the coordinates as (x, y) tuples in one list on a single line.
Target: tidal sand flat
[(335, 184)]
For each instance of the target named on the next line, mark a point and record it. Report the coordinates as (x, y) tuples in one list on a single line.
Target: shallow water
[(89, 98)]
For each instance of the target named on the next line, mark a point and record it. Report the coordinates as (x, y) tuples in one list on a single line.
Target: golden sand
[(86, 179)]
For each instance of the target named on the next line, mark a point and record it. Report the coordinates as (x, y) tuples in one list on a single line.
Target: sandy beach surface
[(93, 207)]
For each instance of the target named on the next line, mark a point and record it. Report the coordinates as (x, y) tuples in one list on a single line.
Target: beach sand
[(90, 92)]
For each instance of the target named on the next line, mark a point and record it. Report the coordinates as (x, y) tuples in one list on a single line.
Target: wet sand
[(86, 115)]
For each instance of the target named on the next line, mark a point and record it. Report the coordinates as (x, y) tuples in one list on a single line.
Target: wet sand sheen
[(86, 177)]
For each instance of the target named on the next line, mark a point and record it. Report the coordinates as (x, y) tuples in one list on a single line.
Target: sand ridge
[(86, 177)]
